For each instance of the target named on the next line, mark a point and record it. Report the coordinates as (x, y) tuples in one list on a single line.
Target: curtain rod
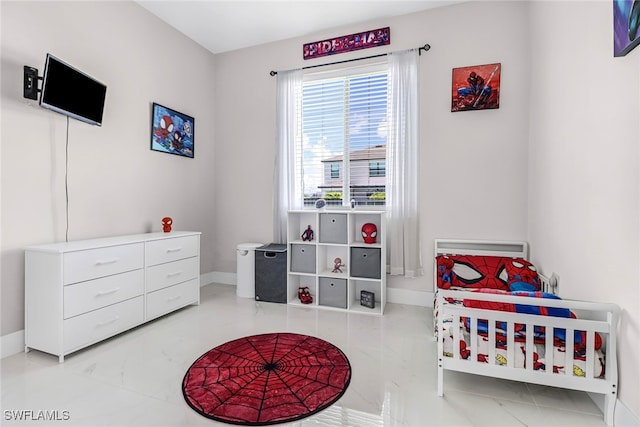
[(426, 47)]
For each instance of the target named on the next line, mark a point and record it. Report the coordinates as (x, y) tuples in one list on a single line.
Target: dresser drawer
[(96, 325), (167, 250), (171, 273), (172, 298), (87, 296), (91, 264)]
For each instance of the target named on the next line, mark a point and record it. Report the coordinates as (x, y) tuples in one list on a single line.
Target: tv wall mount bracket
[(30, 87)]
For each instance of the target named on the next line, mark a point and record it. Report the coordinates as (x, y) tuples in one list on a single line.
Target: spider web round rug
[(267, 379)]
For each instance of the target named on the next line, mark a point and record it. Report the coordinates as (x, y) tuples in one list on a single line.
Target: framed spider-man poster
[(172, 132), (476, 87), (626, 26)]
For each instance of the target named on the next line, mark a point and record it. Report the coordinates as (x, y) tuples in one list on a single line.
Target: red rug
[(267, 379)]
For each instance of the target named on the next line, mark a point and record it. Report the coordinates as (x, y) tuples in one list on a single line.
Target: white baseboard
[(206, 279), (12, 343), (409, 297), (218, 277)]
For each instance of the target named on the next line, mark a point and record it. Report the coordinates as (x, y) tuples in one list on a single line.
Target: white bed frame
[(592, 317)]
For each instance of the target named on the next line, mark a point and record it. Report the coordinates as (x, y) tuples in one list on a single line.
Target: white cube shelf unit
[(336, 234)]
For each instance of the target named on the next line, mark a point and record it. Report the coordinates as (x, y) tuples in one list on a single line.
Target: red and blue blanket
[(539, 332)]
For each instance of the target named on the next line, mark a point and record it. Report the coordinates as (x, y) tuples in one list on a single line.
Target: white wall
[(584, 160), (117, 185), (471, 162)]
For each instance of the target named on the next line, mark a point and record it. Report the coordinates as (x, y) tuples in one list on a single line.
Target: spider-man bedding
[(540, 359), (507, 276)]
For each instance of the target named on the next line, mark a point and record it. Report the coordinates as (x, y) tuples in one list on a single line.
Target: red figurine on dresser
[(166, 224)]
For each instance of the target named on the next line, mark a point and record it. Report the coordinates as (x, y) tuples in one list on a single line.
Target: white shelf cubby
[(337, 234)]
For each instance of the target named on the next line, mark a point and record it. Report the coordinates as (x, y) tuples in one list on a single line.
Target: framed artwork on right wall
[(626, 26), (476, 87)]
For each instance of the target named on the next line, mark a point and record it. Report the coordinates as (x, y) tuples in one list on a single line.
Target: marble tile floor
[(134, 379)]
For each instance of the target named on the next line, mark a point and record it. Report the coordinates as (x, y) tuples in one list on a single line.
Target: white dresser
[(78, 293)]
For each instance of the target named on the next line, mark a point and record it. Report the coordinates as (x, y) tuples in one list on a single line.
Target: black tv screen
[(69, 91)]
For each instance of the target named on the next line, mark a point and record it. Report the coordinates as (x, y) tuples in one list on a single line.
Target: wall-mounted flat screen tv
[(69, 91)]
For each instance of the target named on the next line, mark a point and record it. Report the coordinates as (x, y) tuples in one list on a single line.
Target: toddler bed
[(495, 315)]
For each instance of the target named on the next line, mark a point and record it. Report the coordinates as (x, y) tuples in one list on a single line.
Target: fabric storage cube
[(303, 258), (365, 262), (332, 292), (333, 228)]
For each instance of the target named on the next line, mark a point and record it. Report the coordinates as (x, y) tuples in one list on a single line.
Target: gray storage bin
[(332, 292), (365, 262), (333, 228), (271, 273), (303, 258)]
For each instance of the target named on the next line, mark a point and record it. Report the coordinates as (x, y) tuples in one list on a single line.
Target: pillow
[(522, 275), (472, 271)]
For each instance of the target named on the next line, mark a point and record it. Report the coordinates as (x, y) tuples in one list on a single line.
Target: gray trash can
[(245, 270), (271, 273)]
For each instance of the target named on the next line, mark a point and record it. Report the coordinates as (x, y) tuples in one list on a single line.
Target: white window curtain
[(287, 192), (403, 234)]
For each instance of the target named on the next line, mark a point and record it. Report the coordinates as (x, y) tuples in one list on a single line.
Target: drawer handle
[(177, 297), (107, 262), (110, 291), (106, 322), (170, 250), (177, 273)]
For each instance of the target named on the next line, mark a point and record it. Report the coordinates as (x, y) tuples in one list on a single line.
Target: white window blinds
[(341, 154)]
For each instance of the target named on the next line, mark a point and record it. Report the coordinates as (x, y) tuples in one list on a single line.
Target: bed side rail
[(604, 321)]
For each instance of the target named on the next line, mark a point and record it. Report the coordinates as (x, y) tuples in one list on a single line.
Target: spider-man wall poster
[(476, 88), (171, 131)]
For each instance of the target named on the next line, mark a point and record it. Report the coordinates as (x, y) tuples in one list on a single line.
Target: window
[(342, 148), (335, 170), (377, 169)]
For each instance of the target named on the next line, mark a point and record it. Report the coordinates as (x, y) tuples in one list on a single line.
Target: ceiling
[(222, 26)]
